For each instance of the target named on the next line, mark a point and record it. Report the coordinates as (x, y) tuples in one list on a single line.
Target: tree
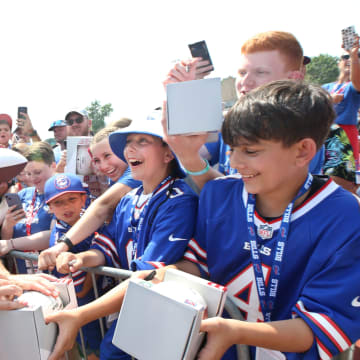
[(322, 69), (98, 113)]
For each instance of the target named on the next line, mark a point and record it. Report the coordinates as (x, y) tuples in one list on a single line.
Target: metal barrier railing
[(243, 352)]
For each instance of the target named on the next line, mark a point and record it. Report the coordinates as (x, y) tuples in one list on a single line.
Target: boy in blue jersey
[(66, 198), (152, 224), (285, 244)]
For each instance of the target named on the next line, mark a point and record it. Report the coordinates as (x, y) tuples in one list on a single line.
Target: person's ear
[(306, 150), (168, 156), (296, 75)]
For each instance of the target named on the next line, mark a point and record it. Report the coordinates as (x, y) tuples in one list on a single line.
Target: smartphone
[(22, 109), (199, 49), (348, 37), (13, 199)]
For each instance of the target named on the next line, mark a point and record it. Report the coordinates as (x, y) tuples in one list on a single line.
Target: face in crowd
[(78, 125)]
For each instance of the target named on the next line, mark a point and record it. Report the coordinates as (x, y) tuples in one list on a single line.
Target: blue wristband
[(201, 172)]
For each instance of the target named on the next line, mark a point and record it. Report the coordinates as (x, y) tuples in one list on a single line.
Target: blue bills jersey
[(168, 225), (321, 260)]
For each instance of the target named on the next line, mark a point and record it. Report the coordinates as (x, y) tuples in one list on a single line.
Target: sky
[(57, 55)]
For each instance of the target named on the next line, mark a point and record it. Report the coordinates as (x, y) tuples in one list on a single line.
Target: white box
[(194, 107), (23, 332), (155, 326), (78, 159)]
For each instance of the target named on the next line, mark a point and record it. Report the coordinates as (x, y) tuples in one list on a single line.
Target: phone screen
[(348, 37), (22, 109)]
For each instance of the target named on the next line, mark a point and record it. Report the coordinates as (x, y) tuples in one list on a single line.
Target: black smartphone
[(199, 49), (13, 199), (22, 109)]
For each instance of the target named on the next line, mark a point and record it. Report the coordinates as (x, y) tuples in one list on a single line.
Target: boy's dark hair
[(40, 151), (284, 110)]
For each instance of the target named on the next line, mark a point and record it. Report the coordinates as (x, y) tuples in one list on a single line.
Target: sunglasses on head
[(78, 120), (347, 56)]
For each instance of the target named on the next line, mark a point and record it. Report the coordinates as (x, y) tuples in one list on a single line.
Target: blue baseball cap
[(60, 184), (150, 126), (57, 123)]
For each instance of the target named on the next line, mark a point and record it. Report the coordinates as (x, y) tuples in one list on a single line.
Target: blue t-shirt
[(346, 110), (220, 154), (321, 260), (38, 218)]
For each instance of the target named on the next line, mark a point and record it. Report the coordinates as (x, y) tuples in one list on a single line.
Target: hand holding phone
[(13, 199), (199, 49), (22, 110)]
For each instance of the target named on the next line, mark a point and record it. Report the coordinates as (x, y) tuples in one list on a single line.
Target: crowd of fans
[(286, 147)]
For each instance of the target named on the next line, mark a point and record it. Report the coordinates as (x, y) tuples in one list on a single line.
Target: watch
[(66, 240)]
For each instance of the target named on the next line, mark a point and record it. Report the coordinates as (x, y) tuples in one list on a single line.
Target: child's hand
[(68, 262), (69, 326), (43, 283), (14, 216), (218, 339), (7, 292), (47, 258)]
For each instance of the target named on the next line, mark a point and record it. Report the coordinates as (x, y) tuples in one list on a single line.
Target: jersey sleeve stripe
[(109, 243), (191, 257), (327, 326), (324, 353), (197, 249), (103, 247), (156, 264)]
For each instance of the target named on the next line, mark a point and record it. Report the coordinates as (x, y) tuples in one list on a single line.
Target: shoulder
[(223, 182), (26, 192)]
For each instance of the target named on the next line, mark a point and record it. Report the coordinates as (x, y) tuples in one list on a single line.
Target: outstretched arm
[(287, 336), (96, 214), (355, 64)]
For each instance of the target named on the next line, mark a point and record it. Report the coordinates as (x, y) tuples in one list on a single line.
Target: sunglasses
[(347, 56), (78, 120)]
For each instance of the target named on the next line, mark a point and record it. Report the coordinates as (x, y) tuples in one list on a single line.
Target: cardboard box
[(194, 107), (78, 160), (23, 332), (152, 325)]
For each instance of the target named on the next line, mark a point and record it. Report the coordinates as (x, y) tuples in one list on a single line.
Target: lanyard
[(267, 296), (32, 212), (339, 88), (138, 219)]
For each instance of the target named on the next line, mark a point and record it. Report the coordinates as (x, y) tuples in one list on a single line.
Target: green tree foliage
[(98, 113), (322, 69)]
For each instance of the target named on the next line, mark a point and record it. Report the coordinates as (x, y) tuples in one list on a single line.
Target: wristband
[(201, 172), (33, 133), (12, 244), (66, 240)]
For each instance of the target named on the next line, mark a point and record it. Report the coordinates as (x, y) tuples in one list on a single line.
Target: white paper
[(194, 106)]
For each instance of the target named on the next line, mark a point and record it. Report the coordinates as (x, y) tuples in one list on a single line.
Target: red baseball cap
[(7, 118)]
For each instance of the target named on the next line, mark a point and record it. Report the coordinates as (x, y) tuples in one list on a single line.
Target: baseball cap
[(11, 164), (306, 60), (7, 118), (60, 184), (81, 112), (56, 123), (150, 126)]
